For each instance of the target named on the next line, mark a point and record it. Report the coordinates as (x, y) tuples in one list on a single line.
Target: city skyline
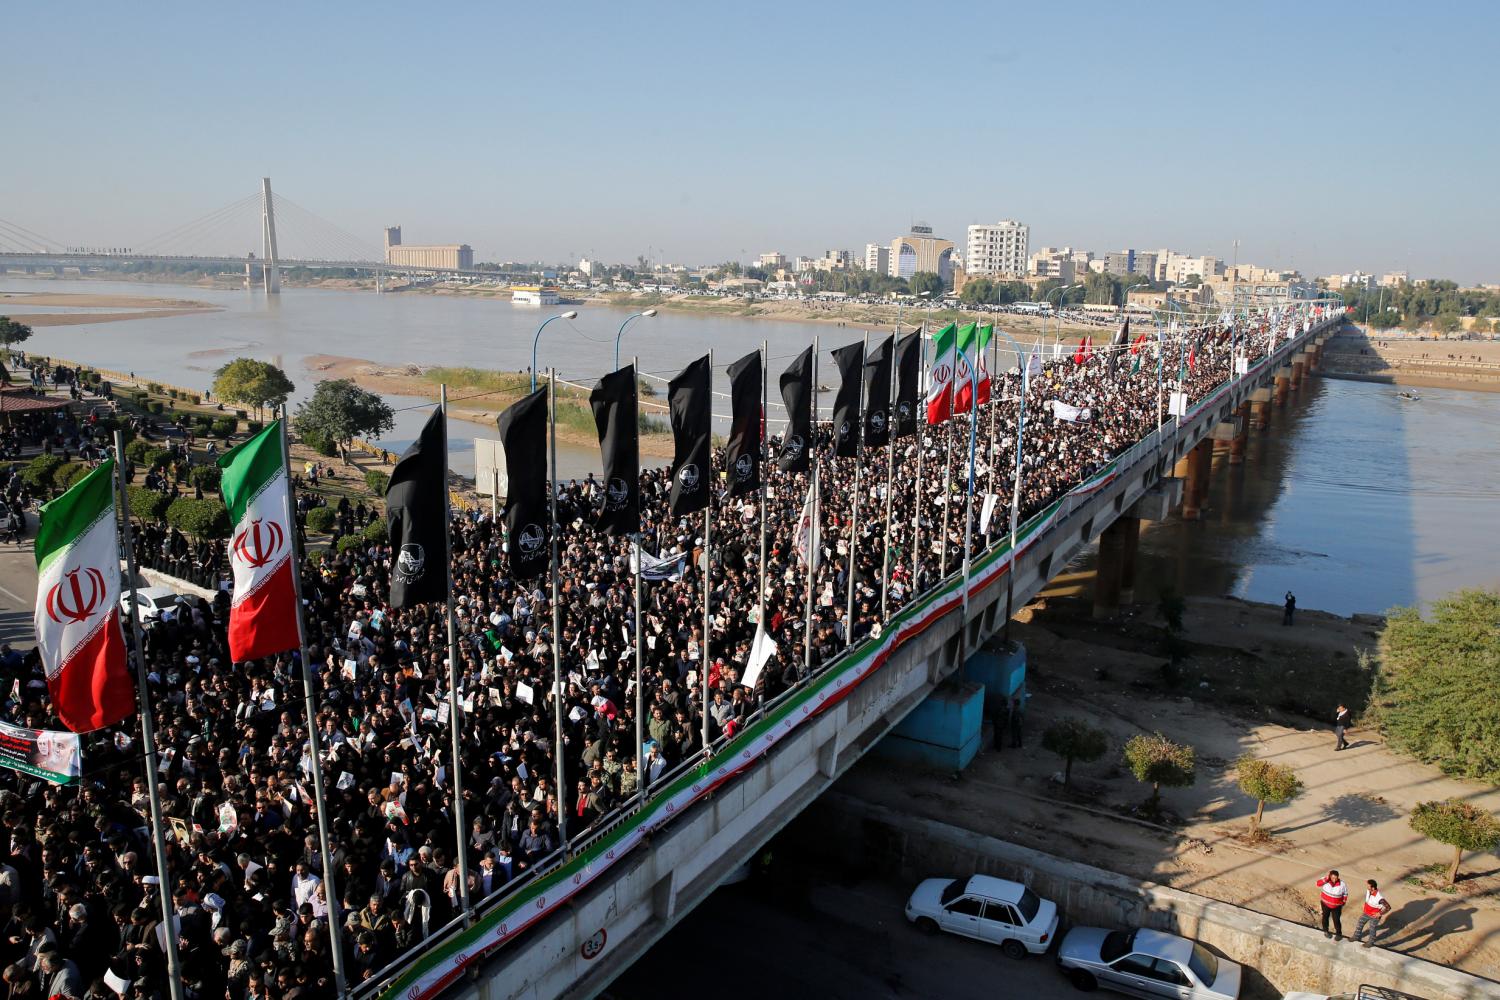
[(647, 131)]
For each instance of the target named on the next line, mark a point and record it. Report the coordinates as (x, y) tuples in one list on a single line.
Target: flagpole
[(859, 461), (454, 729), (893, 407), (994, 409), (557, 676), (640, 700), (813, 540), (963, 638), (708, 567), (765, 475), (917, 491), (148, 735), (947, 488), (1015, 499), (310, 706)]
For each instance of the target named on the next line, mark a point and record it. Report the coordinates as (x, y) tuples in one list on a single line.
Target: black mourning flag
[(908, 368), (523, 435), (850, 361), (797, 394), (615, 404), (692, 465), (743, 453), (878, 394), (416, 506)]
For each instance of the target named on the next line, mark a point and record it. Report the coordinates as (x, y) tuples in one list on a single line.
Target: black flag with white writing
[(692, 464), (908, 393), (523, 435), (850, 361), (743, 454), (878, 394), (615, 403), (797, 394), (416, 509)]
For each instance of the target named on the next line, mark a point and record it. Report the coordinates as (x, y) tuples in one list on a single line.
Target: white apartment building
[(878, 258), (772, 261), (997, 249)]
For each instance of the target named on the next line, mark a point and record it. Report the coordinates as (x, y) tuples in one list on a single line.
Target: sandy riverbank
[(480, 396), (1473, 365), (128, 307)]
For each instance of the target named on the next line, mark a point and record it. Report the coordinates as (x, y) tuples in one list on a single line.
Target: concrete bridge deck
[(571, 930)]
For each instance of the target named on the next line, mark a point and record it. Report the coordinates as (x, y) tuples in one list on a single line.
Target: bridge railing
[(701, 762)]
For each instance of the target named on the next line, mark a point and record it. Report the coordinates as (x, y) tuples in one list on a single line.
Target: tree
[(1438, 690), (252, 383), (1074, 739), (341, 411), (977, 291), (12, 332), (1154, 758), (1266, 782), (1385, 320), (1446, 323), (926, 281), (1459, 824)]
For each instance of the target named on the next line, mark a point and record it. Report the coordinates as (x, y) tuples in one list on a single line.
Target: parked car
[(1145, 963), (154, 604), (1363, 993), (986, 909)]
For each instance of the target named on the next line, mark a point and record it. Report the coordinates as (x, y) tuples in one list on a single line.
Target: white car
[(153, 604), (1363, 993), (986, 909), (1146, 963)]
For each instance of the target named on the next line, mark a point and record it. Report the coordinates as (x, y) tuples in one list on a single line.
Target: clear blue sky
[(1325, 136)]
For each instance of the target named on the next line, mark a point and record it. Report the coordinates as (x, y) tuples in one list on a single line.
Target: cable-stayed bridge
[(287, 235)]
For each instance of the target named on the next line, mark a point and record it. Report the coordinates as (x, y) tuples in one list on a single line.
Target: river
[(1355, 500)]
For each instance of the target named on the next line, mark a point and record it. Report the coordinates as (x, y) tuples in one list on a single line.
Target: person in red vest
[(1376, 907), (1332, 895)]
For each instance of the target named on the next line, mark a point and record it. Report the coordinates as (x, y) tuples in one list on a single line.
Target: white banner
[(987, 512), (761, 651), (489, 468), (1177, 404), (42, 753), (656, 568), (1068, 412)]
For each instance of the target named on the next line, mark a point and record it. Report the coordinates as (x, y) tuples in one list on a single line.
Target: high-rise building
[(772, 261), (451, 257), (997, 249), (919, 250), (877, 258), (835, 260)]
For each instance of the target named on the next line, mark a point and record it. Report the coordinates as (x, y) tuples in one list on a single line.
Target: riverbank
[(127, 307), (480, 395), (1431, 363)]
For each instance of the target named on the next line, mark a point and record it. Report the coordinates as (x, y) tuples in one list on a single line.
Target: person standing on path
[(1289, 609), (1017, 716), (1340, 724), (1376, 907), (1332, 895)]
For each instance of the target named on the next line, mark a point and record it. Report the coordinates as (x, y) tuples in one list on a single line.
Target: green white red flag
[(78, 605), (940, 378), (263, 611), (972, 347)]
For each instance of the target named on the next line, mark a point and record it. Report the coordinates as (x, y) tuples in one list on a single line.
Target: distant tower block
[(268, 235)]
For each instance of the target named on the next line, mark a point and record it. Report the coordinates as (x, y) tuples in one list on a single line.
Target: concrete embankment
[(1443, 364), (1278, 955)]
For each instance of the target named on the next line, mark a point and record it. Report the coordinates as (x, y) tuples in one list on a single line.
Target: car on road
[(1363, 993), (986, 909), (1146, 963), (154, 605)]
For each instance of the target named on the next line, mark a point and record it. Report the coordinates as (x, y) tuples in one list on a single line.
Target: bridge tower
[(268, 239)]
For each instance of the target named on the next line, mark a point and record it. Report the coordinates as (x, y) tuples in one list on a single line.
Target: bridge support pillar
[(1299, 369), (1260, 408), (1241, 435), (1198, 466), (1223, 437), (1283, 384)]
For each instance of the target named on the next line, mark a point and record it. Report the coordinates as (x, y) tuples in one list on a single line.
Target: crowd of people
[(252, 894)]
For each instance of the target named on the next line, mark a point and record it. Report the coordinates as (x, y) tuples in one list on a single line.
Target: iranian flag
[(263, 612), (940, 378), (973, 348), (78, 605)]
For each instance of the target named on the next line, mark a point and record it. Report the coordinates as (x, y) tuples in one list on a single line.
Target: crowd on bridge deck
[(244, 870)]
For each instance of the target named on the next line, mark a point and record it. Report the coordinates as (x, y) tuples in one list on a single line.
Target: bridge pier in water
[(1260, 408)]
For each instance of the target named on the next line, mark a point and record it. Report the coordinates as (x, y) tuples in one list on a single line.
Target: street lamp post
[(570, 314), (1062, 291), (633, 316)]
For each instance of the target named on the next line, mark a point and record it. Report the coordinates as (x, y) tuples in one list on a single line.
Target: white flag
[(809, 537), (656, 568), (761, 651), (1068, 412), (1177, 405), (987, 512)]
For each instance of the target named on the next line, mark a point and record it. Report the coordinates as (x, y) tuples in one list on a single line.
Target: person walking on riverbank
[(1376, 907), (1340, 724), (1290, 608), (1332, 895)]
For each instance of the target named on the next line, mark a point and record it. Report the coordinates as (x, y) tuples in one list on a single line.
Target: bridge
[(582, 916), (205, 241)]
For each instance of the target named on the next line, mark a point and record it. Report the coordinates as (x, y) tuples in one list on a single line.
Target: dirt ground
[(1448, 363), (131, 306), (1352, 814)]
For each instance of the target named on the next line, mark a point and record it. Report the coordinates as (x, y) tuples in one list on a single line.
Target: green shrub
[(39, 472), (320, 444), (1463, 826), (196, 400), (375, 532), (202, 425), (1157, 761), (157, 458), (147, 505), (320, 520), (351, 542), (206, 477), (225, 426), (155, 408), (154, 388), (138, 449), (199, 518), (255, 426), (68, 476), (377, 481), (241, 414)]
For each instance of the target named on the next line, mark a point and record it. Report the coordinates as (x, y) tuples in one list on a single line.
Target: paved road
[(841, 941), (18, 591)]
